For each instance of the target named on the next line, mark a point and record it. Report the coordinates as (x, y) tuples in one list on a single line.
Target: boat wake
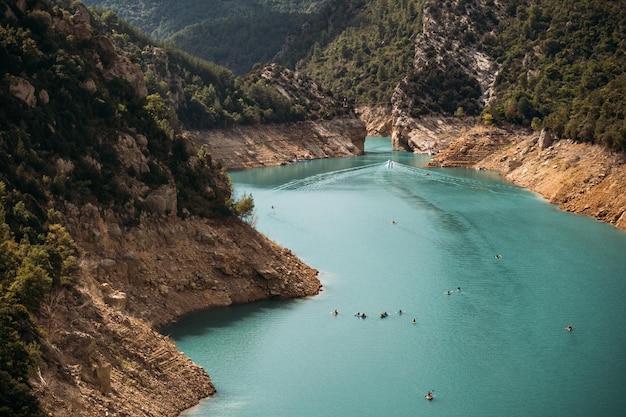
[(326, 180)]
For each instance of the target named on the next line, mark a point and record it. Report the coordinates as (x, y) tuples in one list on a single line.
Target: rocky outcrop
[(280, 144), (105, 362), (427, 134), (163, 201), (378, 120), (449, 35), (167, 267), (23, 90), (104, 355), (156, 61), (471, 146), (114, 65), (452, 31)]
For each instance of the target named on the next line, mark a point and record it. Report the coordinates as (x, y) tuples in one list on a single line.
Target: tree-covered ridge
[(561, 62), (162, 18), (233, 33), (563, 68), (366, 60), (212, 96), (65, 142), (240, 42), (449, 75)]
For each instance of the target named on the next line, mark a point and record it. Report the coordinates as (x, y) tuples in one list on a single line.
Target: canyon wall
[(280, 144)]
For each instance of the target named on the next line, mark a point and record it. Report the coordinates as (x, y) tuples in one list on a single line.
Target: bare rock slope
[(106, 356), (271, 145), (578, 177)]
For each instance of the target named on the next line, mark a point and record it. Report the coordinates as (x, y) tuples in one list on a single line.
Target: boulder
[(116, 300), (163, 200), (102, 376), (22, 89), (80, 344), (546, 139)]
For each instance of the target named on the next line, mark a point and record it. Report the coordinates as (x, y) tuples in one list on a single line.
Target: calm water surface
[(390, 238)]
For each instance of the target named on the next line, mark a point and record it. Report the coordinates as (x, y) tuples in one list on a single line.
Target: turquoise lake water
[(390, 238)]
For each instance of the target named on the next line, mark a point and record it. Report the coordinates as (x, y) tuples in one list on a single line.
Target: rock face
[(167, 267), (104, 353), (105, 362), (271, 145), (449, 33), (378, 121), (428, 134), (162, 200), (472, 146), (23, 90)]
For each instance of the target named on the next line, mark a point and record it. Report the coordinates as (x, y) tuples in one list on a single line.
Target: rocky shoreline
[(109, 358), (577, 177), (280, 144)]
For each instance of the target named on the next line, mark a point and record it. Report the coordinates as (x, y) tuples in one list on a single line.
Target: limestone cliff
[(378, 120), (446, 43), (104, 355), (269, 145)]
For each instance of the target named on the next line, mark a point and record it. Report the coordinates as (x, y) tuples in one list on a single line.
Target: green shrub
[(244, 207)]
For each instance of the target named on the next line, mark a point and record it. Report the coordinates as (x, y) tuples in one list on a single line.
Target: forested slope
[(560, 62), (92, 120), (563, 67), (233, 33)]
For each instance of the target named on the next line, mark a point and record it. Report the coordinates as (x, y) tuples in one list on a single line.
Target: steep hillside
[(550, 64), (227, 32), (562, 68), (554, 64), (452, 77), (113, 222)]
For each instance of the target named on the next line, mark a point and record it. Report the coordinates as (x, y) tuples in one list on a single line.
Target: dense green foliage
[(213, 96), (562, 63), (239, 42), (563, 68), (365, 61), (163, 18), (73, 123), (43, 260), (64, 146), (446, 89), (234, 33), (375, 54)]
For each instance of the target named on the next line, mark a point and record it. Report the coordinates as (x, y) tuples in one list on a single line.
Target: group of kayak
[(362, 315)]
